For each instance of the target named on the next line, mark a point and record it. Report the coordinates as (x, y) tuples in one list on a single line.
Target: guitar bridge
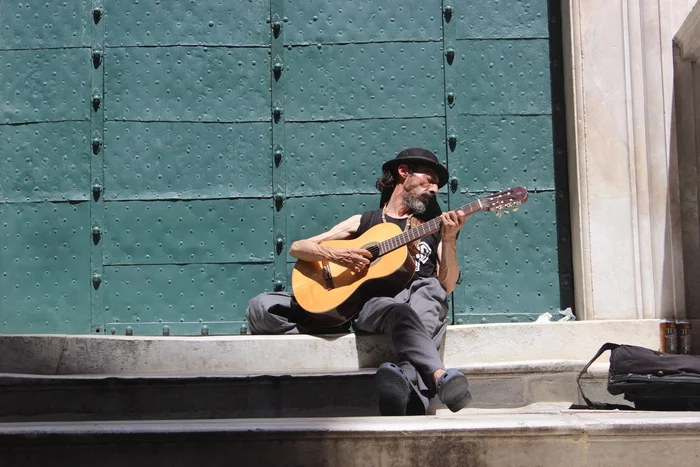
[(327, 277)]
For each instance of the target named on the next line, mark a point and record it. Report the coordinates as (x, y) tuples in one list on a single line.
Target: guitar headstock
[(506, 199)]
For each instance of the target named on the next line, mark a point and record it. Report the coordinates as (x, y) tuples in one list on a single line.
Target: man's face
[(420, 187)]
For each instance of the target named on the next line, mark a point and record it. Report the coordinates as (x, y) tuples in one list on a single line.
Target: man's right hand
[(354, 259)]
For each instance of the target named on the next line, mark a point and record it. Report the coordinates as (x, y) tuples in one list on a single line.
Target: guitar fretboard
[(424, 229)]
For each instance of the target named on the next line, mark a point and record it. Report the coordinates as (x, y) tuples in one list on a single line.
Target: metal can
[(685, 337), (669, 338)]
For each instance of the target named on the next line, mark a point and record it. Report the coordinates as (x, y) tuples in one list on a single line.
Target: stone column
[(625, 205)]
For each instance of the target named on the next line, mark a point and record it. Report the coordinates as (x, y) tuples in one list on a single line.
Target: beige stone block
[(29, 354), (662, 449), (551, 387), (579, 340), (498, 392)]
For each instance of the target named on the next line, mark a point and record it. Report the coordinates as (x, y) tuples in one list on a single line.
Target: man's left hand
[(452, 221)]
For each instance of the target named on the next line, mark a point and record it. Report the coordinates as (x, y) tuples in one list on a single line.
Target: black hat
[(418, 156)]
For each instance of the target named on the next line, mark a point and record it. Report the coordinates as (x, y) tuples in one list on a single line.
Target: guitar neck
[(423, 229)]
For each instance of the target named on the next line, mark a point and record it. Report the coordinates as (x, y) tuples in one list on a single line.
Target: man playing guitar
[(415, 317)]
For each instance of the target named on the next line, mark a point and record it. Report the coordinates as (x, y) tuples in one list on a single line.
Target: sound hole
[(374, 249)]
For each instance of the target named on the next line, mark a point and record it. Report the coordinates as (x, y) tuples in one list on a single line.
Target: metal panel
[(180, 22), (213, 231), (45, 85), (148, 298), (40, 23), (502, 19), (346, 157), (207, 84), (505, 138), (364, 81), (47, 161), (504, 77), (500, 152), (45, 268), (324, 21), (187, 160), (509, 263)]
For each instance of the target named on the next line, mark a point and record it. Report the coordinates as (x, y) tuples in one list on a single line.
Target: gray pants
[(415, 319)]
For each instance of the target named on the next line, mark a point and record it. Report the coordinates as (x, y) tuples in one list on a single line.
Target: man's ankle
[(436, 376)]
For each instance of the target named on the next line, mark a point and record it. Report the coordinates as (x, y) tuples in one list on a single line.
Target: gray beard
[(415, 205)]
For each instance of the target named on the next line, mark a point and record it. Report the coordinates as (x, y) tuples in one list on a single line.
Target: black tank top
[(426, 260)]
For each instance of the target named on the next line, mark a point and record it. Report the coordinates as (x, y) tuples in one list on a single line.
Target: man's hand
[(452, 221), (355, 259), (413, 248)]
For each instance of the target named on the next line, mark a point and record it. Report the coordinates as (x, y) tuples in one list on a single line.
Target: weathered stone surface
[(536, 436), (626, 228), (499, 391), (551, 387), (464, 346)]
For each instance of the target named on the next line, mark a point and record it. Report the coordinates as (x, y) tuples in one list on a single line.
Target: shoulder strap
[(598, 405)]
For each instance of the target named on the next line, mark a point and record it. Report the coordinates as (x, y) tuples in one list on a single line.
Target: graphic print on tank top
[(423, 254)]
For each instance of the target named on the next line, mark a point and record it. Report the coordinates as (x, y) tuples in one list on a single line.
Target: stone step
[(102, 378), (230, 395), (540, 435), (464, 345)]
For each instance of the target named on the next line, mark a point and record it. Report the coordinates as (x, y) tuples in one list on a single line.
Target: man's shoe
[(393, 388), (452, 389)]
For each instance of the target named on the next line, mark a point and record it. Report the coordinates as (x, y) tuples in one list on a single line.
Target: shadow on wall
[(685, 125)]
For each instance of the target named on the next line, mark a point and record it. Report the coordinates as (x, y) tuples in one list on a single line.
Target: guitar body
[(333, 294)]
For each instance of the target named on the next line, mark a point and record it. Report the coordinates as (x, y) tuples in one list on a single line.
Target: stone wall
[(628, 240)]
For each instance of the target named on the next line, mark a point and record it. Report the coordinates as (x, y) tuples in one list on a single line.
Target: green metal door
[(159, 157), (508, 101)]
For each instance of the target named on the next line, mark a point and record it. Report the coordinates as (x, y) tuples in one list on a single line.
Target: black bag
[(652, 380)]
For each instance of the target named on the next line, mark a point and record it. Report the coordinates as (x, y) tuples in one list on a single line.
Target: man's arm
[(448, 264), (352, 258)]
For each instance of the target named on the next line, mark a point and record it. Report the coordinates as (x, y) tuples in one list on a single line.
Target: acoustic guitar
[(332, 294)]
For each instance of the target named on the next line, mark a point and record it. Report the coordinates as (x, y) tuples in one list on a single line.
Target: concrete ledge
[(465, 345), (532, 436)]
